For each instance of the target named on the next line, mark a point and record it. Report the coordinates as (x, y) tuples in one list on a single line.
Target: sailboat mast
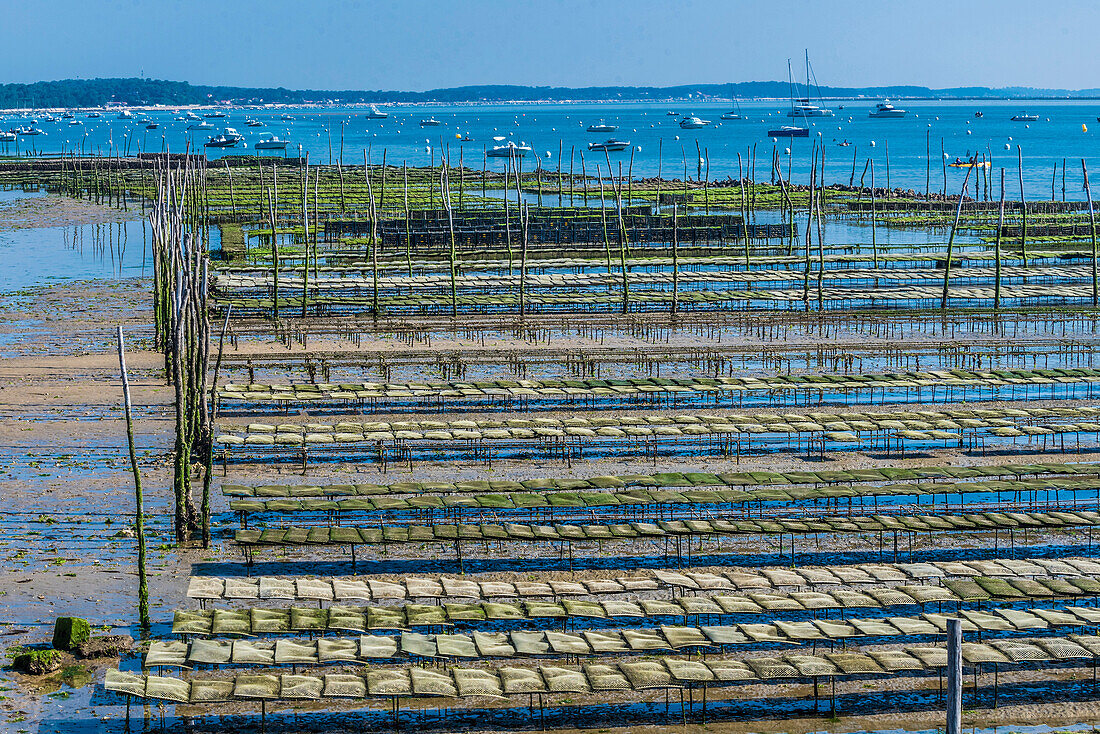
[(807, 73)]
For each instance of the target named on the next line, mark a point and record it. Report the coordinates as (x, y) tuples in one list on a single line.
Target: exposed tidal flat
[(439, 401)]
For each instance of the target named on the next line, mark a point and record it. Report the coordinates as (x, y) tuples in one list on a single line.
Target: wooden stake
[(951, 241), (139, 512)]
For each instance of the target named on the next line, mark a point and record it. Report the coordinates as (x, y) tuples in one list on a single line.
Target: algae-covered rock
[(38, 662), (105, 646), (68, 632)]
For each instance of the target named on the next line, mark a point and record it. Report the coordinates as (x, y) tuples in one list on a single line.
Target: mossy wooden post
[(752, 183), (538, 180), (373, 239), (706, 181), (408, 224), (381, 205), (139, 511), (1053, 181), (1092, 229), (560, 144), (951, 241), (852, 176), (584, 181), (675, 260), (819, 202), (445, 194), (316, 216), (809, 229), (340, 170), (208, 473), (622, 232), (431, 169), (572, 153), (274, 259), (943, 160), (1023, 206), (997, 247), (305, 230), (630, 180), (523, 222), (232, 198), (660, 162), (260, 198), (1063, 179), (603, 221), (886, 145), (874, 219), (744, 211), (461, 177)]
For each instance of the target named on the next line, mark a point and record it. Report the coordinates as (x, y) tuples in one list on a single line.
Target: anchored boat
[(803, 107), (268, 141), (602, 127), (508, 150), (610, 145), (376, 114), (1025, 117), (887, 111), (228, 138), (789, 131), (430, 122), (693, 123)]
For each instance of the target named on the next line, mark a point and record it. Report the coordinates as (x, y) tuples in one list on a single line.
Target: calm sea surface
[(912, 144)]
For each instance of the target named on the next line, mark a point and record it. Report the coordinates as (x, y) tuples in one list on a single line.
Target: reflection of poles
[(139, 512)]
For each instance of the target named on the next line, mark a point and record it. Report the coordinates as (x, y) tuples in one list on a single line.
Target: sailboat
[(735, 113), (803, 107)]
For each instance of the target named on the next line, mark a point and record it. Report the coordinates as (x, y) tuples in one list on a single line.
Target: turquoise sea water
[(913, 143)]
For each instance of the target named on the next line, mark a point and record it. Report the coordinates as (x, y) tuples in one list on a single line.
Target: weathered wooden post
[(139, 512), (954, 676)]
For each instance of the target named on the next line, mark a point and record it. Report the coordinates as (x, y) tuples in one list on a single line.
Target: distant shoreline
[(135, 92)]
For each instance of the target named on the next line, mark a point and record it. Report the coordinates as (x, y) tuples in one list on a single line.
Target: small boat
[(508, 150), (842, 143), (228, 138), (885, 110), (93, 115), (376, 114), (610, 145), (67, 115), (215, 114), (969, 164), (1025, 117), (268, 141), (670, 113), (693, 123), (286, 116), (125, 115), (151, 126), (191, 115), (789, 131), (203, 125), (430, 122), (75, 122), (602, 127), (979, 114), (735, 113), (254, 123), (467, 139), (7, 137)]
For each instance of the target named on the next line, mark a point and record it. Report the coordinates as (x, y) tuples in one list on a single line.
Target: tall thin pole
[(997, 247), (139, 512), (1023, 205), (951, 240), (1092, 228), (954, 676)]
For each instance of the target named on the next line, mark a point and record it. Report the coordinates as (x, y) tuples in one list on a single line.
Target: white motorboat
[(202, 125), (93, 115), (803, 107), (508, 150), (7, 137), (286, 116), (228, 138), (610, 145), (602, 127), (214, 114), (1025, 117), (671, 113), (254, 123), (376, 114), (191, 115), (151, 125), (28, 130), (885, 110), (66, 115), (789, 131), (268, 141), (125, 115), (430, 122), (693, 123)]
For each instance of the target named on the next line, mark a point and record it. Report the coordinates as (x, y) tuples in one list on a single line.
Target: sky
[(418, 45)]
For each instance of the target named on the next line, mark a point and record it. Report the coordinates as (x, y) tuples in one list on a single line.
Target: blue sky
[(421, 44)]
